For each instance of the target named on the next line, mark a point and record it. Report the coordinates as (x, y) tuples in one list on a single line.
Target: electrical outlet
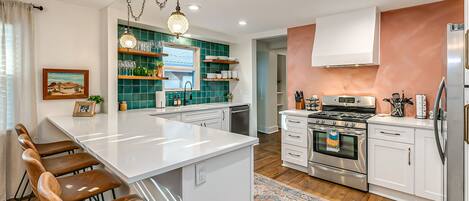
[(200, 174)]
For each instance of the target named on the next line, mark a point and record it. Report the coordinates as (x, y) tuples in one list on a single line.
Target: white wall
[(66, 36), (245, 89)]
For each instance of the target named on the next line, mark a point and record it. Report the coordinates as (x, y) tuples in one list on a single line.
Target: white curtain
[(17, 88)]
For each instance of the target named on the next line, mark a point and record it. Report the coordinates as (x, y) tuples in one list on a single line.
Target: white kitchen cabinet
[(428, 166), (294, 154), (213, 123), (216, 118), (170, 116), (201, 115), (295, 142), (225, 119), (391, 165)]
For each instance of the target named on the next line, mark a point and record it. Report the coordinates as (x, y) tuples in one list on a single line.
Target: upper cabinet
[(347, 39)]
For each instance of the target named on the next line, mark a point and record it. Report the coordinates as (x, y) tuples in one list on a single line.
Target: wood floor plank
[(267, 161)]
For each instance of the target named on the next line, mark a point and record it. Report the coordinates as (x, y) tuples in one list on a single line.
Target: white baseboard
[(268, 130), (394, 195)]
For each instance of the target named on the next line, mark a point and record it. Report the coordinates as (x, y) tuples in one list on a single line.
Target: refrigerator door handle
[(466, 51), (436, 114), (466, 123)]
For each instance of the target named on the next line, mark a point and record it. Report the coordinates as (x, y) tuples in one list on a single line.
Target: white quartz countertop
[(188, 108), (136, 146), (402, 121), (298, 113)]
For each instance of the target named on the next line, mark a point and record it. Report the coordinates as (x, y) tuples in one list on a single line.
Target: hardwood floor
[(268, 163)]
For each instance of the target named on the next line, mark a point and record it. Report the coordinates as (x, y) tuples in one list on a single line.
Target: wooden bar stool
[(47, 149), (61, 165), (49, 189), (74, 188)]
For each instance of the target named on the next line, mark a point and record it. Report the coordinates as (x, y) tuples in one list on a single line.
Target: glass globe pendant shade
[(128, 40), (178, 23)]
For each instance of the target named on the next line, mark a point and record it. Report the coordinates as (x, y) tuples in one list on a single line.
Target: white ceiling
[(261, 15)]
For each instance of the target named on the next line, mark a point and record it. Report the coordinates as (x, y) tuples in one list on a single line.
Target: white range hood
[(347, 39)]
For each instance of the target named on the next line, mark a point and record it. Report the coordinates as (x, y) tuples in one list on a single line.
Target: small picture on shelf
[(84, 109)]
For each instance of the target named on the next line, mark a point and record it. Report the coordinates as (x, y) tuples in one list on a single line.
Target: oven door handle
[(341, 131)]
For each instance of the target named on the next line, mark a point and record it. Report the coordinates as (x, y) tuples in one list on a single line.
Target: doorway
[(271, 56)]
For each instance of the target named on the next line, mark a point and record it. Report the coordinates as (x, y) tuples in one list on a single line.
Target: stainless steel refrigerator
[(450, 131)]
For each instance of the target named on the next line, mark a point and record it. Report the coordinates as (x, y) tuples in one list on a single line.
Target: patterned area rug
[(266, 189)]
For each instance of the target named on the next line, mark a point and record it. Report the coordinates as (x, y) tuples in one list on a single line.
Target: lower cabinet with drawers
[(212, 118), (295, 142), (403, 163)]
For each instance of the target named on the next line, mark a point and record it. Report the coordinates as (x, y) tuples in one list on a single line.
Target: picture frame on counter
[(65, 84), (84, 109)]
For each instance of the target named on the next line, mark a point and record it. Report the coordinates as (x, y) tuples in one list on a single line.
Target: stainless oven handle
[(388, 133), (341, 131)]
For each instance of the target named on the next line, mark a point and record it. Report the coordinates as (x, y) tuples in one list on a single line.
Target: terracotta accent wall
[(412, 58)]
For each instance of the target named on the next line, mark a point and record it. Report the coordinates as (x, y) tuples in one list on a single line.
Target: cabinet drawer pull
[(296, 122), (388, 133), (295, 155), (294, 136), (409, 156)]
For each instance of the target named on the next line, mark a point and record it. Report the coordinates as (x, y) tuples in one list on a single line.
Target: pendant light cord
[(129, 6), (161, 4)]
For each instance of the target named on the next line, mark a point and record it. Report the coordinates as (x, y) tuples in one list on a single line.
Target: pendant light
[(177, 22), (127, 39)]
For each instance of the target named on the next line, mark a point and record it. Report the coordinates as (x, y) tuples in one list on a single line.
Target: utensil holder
[(397, 110)]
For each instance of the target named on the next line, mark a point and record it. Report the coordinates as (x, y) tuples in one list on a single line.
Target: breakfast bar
[(147, 152)]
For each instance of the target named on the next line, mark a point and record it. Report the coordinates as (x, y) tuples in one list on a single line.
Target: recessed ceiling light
[(193, 7), (242, 23), (187, 35)]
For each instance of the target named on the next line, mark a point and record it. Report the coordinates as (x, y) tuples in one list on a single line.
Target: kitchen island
[(146, 152)]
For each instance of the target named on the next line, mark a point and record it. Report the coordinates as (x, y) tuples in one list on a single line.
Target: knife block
[(300, 105)]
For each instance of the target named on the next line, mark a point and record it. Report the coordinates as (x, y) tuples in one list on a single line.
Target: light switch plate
[(200, 174)]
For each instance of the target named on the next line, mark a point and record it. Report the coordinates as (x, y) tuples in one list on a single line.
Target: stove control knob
[(322, 121), (346, 124), (334, 123), (353, 124), (317, 121)]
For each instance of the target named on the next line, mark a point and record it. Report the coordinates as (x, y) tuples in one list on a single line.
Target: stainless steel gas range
[(342, 125)]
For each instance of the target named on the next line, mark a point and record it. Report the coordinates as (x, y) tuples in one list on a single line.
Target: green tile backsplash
[(141, 93)]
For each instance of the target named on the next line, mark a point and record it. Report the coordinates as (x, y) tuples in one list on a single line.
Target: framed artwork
[(84, 109), (64, 84)]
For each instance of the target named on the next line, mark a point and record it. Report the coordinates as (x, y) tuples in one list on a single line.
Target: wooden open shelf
[(217, 61), (220, 80), (140, 53), (127, 77)]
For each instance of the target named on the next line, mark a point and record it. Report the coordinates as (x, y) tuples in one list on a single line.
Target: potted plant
[(159, 68), (229, 96), (98, 100)]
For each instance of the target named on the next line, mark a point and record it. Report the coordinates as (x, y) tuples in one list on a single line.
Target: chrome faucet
[(184, 102)]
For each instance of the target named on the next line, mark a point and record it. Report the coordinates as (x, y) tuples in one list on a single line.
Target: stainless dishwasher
[(239, 119)]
